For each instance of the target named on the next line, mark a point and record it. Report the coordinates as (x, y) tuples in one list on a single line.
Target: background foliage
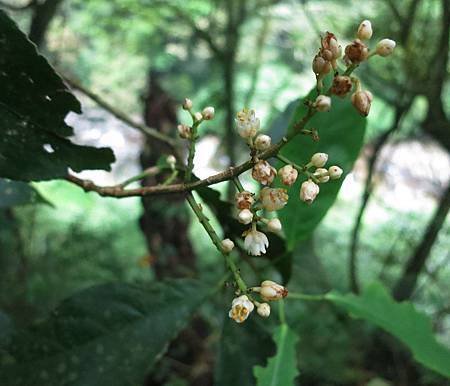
[(68, 258)]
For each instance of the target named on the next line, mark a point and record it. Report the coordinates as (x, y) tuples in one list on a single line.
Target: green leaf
[(106, 335), (399, 319), (282, 368), (33, 105), (341, 133), (13, 193), (242, 347)]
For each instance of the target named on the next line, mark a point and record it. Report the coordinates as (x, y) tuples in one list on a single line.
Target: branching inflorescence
[(269, 199)]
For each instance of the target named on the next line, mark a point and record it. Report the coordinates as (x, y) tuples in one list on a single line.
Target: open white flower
[(247, 123), (241, 307), (256, 242)]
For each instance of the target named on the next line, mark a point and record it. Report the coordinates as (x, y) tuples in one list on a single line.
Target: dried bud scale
[(356, 52), (273, 198), (263, 172), (341, 85), (244, 200)]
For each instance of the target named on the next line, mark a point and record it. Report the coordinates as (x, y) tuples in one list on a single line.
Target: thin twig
[(171, 142)]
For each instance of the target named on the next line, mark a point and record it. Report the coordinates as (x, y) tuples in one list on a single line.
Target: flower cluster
[(207, 114), (355, 53), (242, 306)]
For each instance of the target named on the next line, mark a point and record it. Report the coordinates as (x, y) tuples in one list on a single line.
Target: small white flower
[(184, 131), (227, 245), (262, 142), (385, 47), (322, 175), (256, 242), (241, 307), (319, 159), (171, 160), (187, 104), (247, 123), (273, 198), (288, 175), (198, 116), (272, 291), (335, 172), (245, 216), (309, 191), (322, 103), (365, 30), (208, 113), (263, 310), (274, 225)]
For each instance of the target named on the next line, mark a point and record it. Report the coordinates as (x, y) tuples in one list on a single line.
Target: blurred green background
[(144, 57)]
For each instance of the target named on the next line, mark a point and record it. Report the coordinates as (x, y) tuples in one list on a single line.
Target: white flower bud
[(187, 104), (263, 310), (362, 100), (245, 216), (309, 191), (273, 198), (171, 160), (322, 103), (322, 175), (247, 123), (262, 142), (244, 200), (263, 172), (274, 225), (365, 30), (256, 242), (208, 113), (288, 175), (385, 47), (198, 116), (184, 131), (272, 291), (241, 307), (319, 159), (335, 172), (227, 245)]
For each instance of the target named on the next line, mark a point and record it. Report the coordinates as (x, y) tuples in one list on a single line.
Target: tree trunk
[(43, 14), (407, 283)]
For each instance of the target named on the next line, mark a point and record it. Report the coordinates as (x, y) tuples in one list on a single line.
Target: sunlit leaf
[(281, 369), (341, 133), (402, 320)]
